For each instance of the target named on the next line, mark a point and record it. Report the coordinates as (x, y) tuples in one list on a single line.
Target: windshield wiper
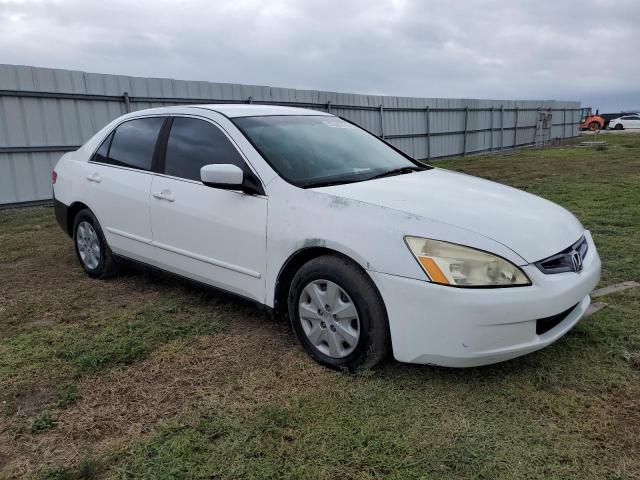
[(397, 171), (389, 173), (327, 183)]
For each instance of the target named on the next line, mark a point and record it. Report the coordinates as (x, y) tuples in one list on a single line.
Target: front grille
[(568, 260), (543, 325)]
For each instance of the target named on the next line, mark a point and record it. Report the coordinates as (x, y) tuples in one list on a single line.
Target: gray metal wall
[(45, 112)]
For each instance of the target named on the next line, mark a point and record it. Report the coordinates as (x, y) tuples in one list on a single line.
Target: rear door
[(212, 235), (120, 182)]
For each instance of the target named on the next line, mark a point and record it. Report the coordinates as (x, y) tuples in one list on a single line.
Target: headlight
[(451, 264)]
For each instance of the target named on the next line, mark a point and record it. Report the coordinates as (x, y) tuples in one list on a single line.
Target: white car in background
[(364, 249), (624, 122)]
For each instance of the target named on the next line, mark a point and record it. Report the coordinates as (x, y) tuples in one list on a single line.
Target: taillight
[(54, 176)]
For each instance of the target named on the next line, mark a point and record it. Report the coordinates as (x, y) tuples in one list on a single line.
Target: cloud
[(566, 49)]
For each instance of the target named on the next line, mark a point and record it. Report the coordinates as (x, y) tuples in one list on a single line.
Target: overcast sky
[(586, 50)]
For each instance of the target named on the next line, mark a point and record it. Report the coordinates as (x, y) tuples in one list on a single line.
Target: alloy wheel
[(88, 245)]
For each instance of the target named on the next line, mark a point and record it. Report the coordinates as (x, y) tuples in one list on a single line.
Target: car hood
[(531, 226)]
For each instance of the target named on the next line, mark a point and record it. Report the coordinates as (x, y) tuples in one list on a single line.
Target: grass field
[(146, 377)]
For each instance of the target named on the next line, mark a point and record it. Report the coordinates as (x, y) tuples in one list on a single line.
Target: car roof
[(233, 110)]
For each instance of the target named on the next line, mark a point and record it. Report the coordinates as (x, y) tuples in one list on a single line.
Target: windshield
[(312, 151)]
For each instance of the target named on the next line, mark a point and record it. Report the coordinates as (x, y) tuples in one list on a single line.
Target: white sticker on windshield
[(337, 123)]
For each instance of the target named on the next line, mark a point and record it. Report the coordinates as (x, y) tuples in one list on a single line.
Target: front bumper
[(461, 327)]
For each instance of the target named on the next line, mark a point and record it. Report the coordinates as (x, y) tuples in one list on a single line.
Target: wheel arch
[(295, 261), (72, 211)]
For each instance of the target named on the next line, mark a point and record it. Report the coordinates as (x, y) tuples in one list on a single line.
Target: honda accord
[(365, 250)]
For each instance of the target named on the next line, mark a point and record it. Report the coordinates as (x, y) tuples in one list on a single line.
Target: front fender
[(371, 235)]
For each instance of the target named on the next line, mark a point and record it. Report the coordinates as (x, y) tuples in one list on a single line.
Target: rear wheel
[(594, 126), (618, 126), (91, 247), (337, 314)]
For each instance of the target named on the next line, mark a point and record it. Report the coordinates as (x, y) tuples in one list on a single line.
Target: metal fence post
[(127, 103), (466, 124), (515, 131), (329, 107), (564, 122), (428, 135), (491, 128), (250, 100), (501, 127), (382, 121)]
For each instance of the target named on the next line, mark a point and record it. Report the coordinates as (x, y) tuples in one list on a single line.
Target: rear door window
[(134, 143), (195, 143)]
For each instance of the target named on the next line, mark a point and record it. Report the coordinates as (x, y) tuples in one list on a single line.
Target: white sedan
[(364, 249), (624, 122)]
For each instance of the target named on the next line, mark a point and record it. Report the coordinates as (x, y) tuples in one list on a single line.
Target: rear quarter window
[(102, 153)]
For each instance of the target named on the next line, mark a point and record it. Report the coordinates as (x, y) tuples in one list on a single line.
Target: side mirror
[(230, 177), (222, 175)]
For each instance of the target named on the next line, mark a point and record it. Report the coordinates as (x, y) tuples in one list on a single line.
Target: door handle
[(164, 195), (94, 177)]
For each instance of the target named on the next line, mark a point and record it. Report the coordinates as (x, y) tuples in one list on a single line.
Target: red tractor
[(590, 121)]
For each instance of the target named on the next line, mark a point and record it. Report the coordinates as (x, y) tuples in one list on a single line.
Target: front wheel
[(338, 315), (594, 126), (618, 126)]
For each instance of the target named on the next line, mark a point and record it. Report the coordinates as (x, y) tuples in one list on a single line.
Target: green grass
[(85, 470), (44, 421), (569, 411), (15, 225), (67, 394), (119, 338)]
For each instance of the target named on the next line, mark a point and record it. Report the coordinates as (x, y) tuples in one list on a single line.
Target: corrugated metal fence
[(45, 112)]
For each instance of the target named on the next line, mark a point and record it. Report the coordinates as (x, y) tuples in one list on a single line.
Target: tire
[(92, 250), (355, 293), (618, 126), (594, 126)]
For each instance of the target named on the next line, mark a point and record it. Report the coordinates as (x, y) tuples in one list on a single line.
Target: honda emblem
[(576, 260)]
